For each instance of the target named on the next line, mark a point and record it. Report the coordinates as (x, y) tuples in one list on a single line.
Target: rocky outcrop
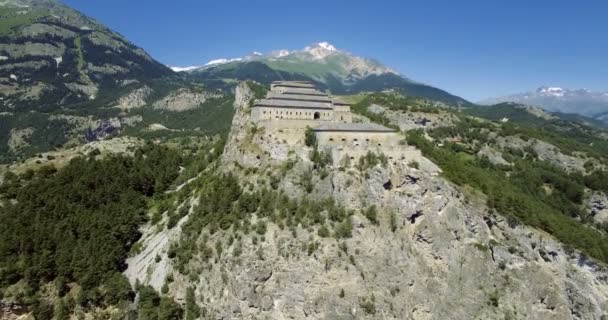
[(183, 99), (544, 151), (494, 156), (597, 205), (239, 145), (19, 138), (135, 99), (408, 120), (435, 252)]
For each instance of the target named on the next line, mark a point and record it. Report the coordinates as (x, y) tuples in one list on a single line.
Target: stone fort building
[(298, 105)]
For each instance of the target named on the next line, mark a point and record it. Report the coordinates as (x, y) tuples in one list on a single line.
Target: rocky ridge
[(436, 251)]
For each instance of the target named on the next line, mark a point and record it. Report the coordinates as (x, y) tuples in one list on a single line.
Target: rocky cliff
[(418, 248)]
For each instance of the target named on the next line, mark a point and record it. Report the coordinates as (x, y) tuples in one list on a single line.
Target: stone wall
[(287, 124), (395, 155), (267, 113), (357, 138), (343, 114)]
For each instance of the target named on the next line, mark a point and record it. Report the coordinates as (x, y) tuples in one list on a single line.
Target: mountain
[(579, 101), (66, 79), (52, 55), (330, 68), (130, 191)]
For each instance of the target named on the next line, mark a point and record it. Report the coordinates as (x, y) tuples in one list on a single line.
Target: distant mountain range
[(579, 101), (330, 68)]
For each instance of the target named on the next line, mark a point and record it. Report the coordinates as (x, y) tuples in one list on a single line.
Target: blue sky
[(474, 49)]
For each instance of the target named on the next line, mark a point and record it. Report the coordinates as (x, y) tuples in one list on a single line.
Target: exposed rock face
[(183, 99), (494, 156), (435, 254), (19, 138), (135, 99), (414, 120), (545, 151), (597, 205), (240, 138)]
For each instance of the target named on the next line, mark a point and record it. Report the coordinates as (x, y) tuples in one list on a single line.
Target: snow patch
[(14, 77), (180, 69), (327, 46), (320, 50), (58, 61), (222, 61), (280, 53), (2, 58), (256, 53)]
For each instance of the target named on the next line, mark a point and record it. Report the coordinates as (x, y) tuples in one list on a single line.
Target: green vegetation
[(310, 139), (259, 90), (80, 60), (370, 160), (399, 102), (225, 205), (12, 18), (76, 225), (371, 214), (212, 117), (154, 307), (368, 304)]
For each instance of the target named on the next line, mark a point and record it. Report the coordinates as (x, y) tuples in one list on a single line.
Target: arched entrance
[(317, 116)]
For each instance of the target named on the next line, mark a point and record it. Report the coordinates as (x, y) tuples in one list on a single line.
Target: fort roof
[(341, 103), (352, 127), (299, 97), (293, 84), (304, 91), (279, 103)]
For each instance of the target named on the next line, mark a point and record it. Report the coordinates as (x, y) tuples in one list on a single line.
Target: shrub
[(323, 232), (344, 229), (310, 139), (372, 215)]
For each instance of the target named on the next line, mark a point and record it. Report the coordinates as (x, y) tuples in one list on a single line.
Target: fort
[(299, 105)]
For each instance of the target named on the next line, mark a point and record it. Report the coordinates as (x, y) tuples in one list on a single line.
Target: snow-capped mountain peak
[(320, 50), (326, 45), (551, 91), (279, 53), (581, 101)]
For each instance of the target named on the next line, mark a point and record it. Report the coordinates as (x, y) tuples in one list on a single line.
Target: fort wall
[(357, 139), (275, 113), (394, 155)]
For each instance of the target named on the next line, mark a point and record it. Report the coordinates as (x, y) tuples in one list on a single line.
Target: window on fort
[(331, 139), (367, 140), (317, 115), (379, 144), (343, 139), (355, 139)]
